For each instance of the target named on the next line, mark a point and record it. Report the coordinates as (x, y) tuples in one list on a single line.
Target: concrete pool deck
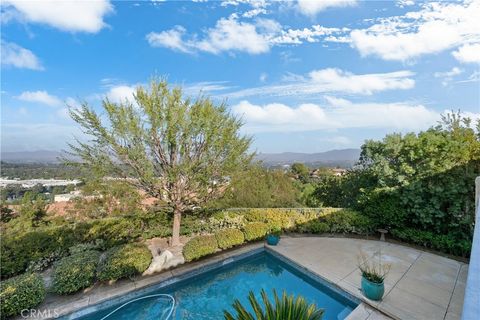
[(420, 285)]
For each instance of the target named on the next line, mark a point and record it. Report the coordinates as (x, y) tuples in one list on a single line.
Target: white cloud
[(121, 93), (16, 56), (171, 39), (468, 53), (454, 72), (312, 7), (436, 27), (332, 80), (42, 97), (232, 35), (254, 12), (73, 16), (276, 117), (448, 76), (205, 87), (313, 34), (229, 34), (263, 77)]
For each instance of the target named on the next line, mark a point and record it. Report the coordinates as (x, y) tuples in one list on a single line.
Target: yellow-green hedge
[(22, 292), (199, 246), (228, 238)]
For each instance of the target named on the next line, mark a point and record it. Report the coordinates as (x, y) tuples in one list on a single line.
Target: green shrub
[(336, 220), (347, 221), (199, 246), (75, 272), (228, 238), (384, 208), (255, 230), (124, 261), (447, 243), (113, 231), (19, 250), (23, 292), (82, 247), (317, 227)]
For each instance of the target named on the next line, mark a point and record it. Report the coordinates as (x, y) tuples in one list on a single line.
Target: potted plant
[(373, 276), (273, 237)]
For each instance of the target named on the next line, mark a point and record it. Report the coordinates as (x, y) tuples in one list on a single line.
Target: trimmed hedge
[(199, 246), (338, 221), (442, 242), (255, 230), (19, 293), (75, 272), (124, 261), (228, 238)]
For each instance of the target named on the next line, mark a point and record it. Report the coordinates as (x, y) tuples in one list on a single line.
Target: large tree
[(180, 150)]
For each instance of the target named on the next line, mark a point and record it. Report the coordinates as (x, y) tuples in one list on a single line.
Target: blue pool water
[(206, 296)]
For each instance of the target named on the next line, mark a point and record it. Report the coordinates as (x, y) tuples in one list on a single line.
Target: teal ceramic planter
[(372, 290), (273, 239)]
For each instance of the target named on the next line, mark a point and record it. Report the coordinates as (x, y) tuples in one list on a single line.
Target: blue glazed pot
[(372, 290), (273, 239)]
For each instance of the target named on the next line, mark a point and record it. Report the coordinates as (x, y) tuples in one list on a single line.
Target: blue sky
[(306, 76)]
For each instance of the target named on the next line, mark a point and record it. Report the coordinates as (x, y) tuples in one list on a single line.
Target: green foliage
[(108, 198), (45, 261), (19, 250), (228, 238), (124, 261), (384, 207), (112, 231), (338, 221), (33, 208), (22, 292), (199, 246), (273, 189), (421, 181), (287, 307), (255, 230), (6, 214), (448, 243), (301, 172), (75, 272), (82, 247)]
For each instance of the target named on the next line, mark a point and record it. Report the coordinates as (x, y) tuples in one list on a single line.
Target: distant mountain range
[(333, 158), (341, 158), (41, 156)]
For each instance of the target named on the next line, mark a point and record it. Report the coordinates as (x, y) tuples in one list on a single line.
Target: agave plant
[(286, 308)]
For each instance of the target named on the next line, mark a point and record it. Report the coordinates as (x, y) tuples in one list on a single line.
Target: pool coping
[(72, 307)]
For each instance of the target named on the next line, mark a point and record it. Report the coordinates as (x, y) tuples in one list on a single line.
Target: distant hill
[(344, 158), (41, 156)]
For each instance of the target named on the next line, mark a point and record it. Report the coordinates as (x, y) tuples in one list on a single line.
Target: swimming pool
[(206, 295)]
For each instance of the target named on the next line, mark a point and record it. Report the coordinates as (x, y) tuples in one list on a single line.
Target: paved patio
[(420, 285)]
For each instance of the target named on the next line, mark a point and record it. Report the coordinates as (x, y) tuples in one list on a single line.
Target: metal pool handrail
[(146, 297), (471, 302)]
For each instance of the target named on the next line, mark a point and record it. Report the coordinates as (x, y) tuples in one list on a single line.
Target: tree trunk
[(177, 217)]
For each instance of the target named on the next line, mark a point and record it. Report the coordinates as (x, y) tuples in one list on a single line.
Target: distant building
[(66, 196), (339, 172), (33, 182)]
